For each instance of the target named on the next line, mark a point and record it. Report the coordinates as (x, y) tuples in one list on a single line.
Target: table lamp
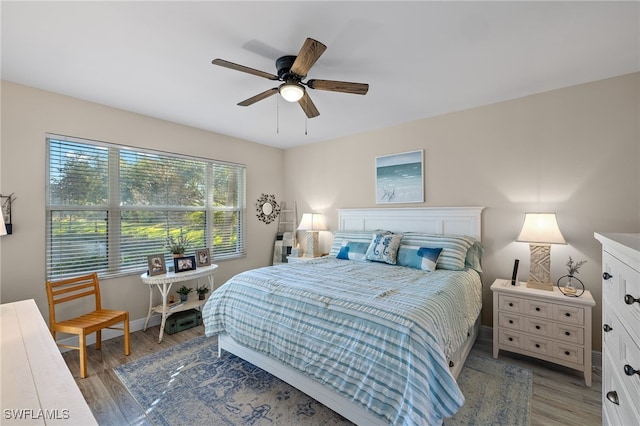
[(312, 223), (540, 230)]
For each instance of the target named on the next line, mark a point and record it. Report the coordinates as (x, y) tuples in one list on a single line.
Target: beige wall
[(574, 151), (28, 114)]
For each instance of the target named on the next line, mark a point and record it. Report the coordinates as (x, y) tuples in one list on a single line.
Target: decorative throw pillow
[(384, 248), (419, 257), (352, 250), (454, 247), (340, 237)]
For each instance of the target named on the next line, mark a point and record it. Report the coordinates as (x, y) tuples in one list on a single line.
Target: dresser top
[(521, 289), (625, 242)]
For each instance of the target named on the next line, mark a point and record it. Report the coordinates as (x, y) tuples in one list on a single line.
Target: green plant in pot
[(177, 245), (202, 291), (184, 293)]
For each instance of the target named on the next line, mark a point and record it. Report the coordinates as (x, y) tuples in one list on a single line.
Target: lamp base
[(540, 286), (312, 244)]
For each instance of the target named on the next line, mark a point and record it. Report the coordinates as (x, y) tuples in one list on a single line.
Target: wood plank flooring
[(560, 396)]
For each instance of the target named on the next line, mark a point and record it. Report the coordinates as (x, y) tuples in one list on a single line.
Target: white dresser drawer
[(512, 321), (511, 304), (511, 338), (538, 308), (624, 281), (625, 411), (539, 327), (568, 353)]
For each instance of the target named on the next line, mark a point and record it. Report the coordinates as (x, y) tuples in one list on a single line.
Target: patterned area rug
[(188, 384)]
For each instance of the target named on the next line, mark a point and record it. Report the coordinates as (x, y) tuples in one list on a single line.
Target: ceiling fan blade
[(260, 96), (308, 106), (231, 65), (339, 86), (308, 55)]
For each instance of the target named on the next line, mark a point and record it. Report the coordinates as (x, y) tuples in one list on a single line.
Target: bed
[(377, 343)]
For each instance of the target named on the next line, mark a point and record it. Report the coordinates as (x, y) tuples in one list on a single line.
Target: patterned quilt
[(378, 334)]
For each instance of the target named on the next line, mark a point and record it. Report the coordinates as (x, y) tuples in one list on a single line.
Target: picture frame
[(184, 263), (203, 257), (400, 178), (156, 264)]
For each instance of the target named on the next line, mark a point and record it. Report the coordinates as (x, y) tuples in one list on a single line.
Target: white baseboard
[(135, 325)]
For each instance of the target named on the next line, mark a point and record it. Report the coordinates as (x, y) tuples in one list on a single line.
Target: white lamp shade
[(291, 91), (541, 228), (312, 222)]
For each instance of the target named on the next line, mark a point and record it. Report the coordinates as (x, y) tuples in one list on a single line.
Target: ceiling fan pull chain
[(277, 116), (306, 121)]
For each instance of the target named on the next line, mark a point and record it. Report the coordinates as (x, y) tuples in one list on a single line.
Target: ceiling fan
[(292, 70)]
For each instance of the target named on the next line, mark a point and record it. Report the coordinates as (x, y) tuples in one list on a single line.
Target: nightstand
[(302, 259), (543, 324)]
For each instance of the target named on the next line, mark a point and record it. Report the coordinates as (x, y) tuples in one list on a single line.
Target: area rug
[(188, 384)]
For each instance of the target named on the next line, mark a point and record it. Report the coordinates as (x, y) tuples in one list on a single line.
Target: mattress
[(378, 334)]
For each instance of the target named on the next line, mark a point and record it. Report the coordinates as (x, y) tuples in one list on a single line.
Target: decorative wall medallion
[(267, 208)]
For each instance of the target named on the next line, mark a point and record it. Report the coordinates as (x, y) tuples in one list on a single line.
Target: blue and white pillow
[(417, 257), (384, 248), (352, 236), (454, 247), (352, 250)]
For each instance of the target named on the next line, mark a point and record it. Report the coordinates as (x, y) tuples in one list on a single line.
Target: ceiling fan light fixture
[(291, 91)]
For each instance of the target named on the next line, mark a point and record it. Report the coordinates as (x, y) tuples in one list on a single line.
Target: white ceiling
[(420, 59)]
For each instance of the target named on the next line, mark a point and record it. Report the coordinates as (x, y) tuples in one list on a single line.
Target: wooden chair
[(93, 322)]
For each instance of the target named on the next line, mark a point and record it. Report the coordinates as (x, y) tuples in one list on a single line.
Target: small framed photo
[(203, 257), (156, 264), (183, 264)]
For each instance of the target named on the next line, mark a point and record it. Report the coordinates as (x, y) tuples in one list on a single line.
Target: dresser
[(620, 328), (543, 324)]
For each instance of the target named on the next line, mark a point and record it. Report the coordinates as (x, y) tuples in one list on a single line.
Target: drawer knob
[(630, 300), (537, 327), (510, 303), (607, 276), (537, 345), (538, 309), (613, 397), (567, 314), (511, 339), (630, 371), (607, 328), (510, 321), (567, 353), (567, 333)]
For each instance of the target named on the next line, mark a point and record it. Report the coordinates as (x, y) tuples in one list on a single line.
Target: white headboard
[(432, 220)]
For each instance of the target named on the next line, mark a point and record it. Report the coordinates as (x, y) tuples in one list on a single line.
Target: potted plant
[(177, 245), (201, 292), (184, 293)]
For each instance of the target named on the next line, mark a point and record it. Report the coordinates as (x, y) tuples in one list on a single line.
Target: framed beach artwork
[(400, 178)]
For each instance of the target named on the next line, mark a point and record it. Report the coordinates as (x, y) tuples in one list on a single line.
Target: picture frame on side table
[(183, 264), (400, 178), (156, 264), (203, 257)]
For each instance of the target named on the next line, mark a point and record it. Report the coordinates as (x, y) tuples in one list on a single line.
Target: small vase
[(184, 297), (176, 255), (201, 296), (570, 285)]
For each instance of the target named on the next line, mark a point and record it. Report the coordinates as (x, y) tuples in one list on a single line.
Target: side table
[(163, 284)]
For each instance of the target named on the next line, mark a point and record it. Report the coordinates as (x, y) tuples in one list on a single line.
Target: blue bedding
[(378, 334)]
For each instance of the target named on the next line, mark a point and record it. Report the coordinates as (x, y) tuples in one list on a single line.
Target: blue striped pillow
[(454, 248), (351, 236), (418, 257)]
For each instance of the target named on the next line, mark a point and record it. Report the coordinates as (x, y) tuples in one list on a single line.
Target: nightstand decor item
[(267, 208), (540, 230), (6, 227), (312, 223), (569, 284)]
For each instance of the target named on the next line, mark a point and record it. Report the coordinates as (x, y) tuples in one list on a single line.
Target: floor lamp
[(312, 223), (540, 230)]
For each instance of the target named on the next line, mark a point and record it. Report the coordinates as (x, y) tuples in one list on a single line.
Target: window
[(110, 206)]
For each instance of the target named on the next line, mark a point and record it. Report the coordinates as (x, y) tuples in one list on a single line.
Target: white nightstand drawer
[(625, 412), (568, 353), (568, 314), (568, 333), (511, 321), (537, 308), (540, 327), (510, 338), (539, 345), (511, 304)]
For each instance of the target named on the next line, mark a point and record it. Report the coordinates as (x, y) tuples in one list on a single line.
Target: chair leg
[(98, 339), (127, 348), (83, 355)]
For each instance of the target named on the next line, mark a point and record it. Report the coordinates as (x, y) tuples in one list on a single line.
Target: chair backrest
[(71, 289)]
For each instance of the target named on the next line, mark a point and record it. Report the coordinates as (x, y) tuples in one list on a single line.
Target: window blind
[(109, 206)]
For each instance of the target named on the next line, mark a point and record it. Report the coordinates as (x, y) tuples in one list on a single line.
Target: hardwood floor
[(560, 396)]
